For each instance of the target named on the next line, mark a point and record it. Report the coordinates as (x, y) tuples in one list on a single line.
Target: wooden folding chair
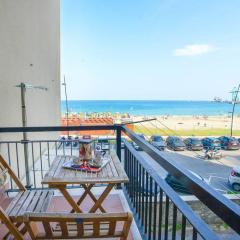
[(77, 225), (25, 200), (12, 228)]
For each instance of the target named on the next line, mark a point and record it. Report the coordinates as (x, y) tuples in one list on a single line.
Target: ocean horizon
[(150, 107)]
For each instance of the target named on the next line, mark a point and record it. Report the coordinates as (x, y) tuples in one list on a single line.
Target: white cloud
[(194, 50)]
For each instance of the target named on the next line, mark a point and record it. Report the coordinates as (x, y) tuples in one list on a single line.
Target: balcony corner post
[(118, 141)]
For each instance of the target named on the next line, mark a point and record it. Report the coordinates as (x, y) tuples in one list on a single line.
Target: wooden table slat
[(112, 172)]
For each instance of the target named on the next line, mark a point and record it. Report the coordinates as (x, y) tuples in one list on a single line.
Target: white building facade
[(30, 53)]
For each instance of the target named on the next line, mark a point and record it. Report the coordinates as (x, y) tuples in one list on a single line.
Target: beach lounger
[(25, 200)]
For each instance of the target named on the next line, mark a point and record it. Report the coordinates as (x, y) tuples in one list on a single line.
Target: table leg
[(102, 198), (93, 197), (87, 189), (70, 200)]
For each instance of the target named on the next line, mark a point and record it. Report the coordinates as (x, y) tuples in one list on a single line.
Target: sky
[(150, 49)]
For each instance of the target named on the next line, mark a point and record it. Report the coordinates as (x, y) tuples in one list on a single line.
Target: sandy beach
[(169, 124), (188, 125), (191, 122)]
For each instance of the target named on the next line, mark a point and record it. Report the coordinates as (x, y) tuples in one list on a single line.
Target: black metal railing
[(41, 153), (159, 211), (224, 208)]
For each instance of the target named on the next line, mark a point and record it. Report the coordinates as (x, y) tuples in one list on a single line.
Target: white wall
[(30, 53)]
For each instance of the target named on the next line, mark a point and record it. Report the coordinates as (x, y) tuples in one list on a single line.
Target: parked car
[(103, 142), (86, 137), (175, 143), (177, 184), (62, 141), (234, 179), (135, 145), (211, 143), (76, 141), (158, 142), (194, 144), (69, 141), (229, 143)]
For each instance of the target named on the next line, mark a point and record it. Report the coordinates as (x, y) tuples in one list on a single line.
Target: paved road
[(215, 172)]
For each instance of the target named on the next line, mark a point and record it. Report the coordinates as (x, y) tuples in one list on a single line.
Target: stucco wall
[(29, 53)]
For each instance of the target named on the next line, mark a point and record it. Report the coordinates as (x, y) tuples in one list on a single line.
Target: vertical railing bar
[(134, 182), (146, 207), (18, 170), (132, 179), (48, 154), (71, 147), (128, 170), (34, 172), (139, 191), (166, 217), (127, 167), (63, 149), (174, 222), (194, 234), (40, 150), (160, 214), (150, 211), (133, 175), (125, 163), (56, 148), (137, 187), (118, 142), (130, 175), (183, 232), (9, 162), (155, 211), (142, 192)]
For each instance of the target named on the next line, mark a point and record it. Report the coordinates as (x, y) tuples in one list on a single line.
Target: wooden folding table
[(111, 174)]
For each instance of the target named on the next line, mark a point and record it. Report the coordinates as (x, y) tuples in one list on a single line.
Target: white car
[(234, 178)]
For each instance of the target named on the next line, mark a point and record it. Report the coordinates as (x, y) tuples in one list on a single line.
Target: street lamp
[(234, 101), (24, 87)]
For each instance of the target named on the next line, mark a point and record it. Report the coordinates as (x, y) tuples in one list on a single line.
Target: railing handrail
[(59, 128), (194, 219), (94, 139), (220, 205)]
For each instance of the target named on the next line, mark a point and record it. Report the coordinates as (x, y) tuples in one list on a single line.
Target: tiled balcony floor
[(115, 202)]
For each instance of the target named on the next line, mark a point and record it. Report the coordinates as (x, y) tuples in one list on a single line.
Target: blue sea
[(150, 108)]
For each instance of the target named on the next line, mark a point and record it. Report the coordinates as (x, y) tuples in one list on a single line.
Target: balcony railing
[(158, 210)]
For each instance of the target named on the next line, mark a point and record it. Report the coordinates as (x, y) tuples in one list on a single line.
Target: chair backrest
[(78, 225), (13, 230), (5, 168)]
